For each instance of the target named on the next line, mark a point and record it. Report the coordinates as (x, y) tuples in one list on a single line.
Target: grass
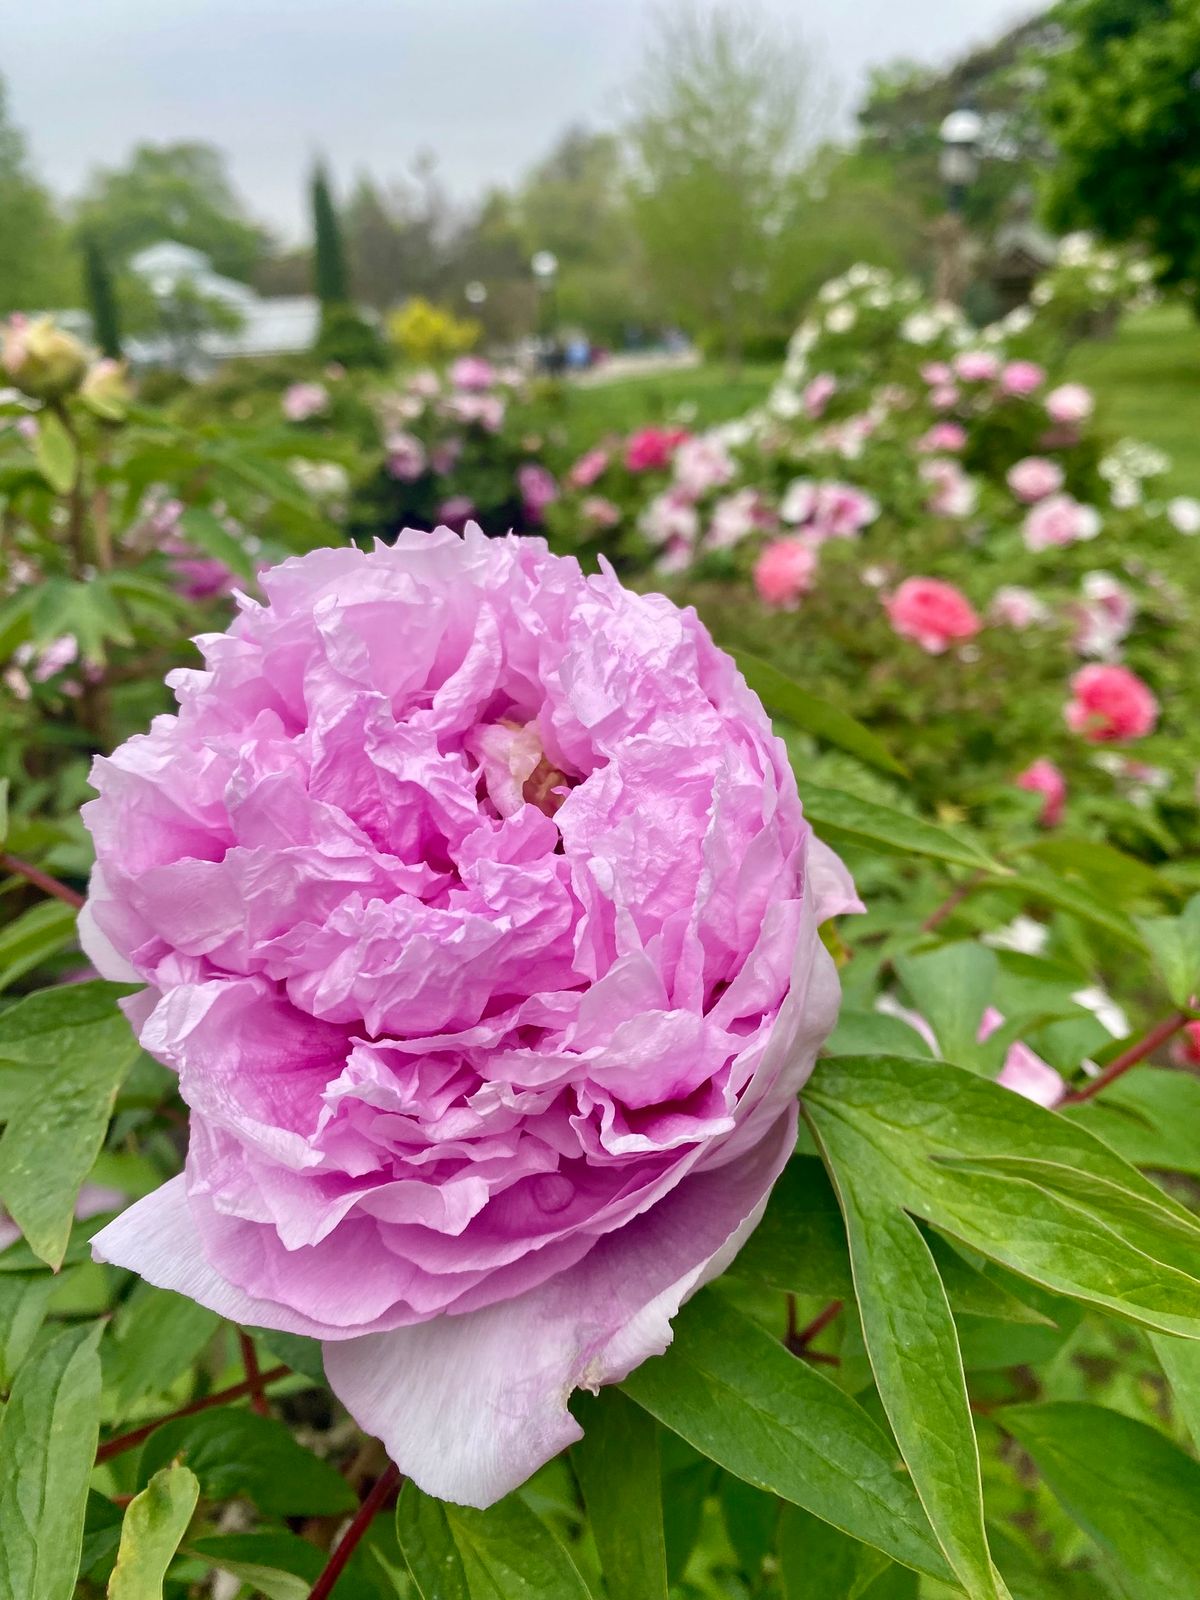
[(695, 397), (1147, 381)]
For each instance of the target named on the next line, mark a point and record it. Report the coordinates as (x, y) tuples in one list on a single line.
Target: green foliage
[(1121, 108), (455, 1553), (47, 1440), (101, 298), (331, 282), (155, 1523)]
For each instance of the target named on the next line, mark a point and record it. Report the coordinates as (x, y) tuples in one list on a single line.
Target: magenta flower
[(818, 392), (952, 492), (478, 916), (1044, 778), (942, 436), (651, 449), (538, 489), (977, 366), (1021, 378), (406, 458), (933, 613), (1110, 703)]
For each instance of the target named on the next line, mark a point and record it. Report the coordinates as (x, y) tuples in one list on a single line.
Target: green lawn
[(696, 397), (1147, 380)]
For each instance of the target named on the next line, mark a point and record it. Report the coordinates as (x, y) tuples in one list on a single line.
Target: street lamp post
[(545, 271), (958, 165)]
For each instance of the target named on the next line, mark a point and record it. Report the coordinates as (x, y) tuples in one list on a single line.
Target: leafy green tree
[(331, 280), (721, 114), (36, 271), (1122, 105), (174, 191), (102, 300)]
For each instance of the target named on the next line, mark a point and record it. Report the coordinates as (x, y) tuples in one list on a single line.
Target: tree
[(175, 191), (723, 111), (330, 278), (36, 271), (102, 301), (1121, 102)]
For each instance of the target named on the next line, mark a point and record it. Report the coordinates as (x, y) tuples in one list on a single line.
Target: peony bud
[(105, 390), (44, 361)]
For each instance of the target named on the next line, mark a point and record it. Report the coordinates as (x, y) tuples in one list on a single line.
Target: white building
[(178, 276)]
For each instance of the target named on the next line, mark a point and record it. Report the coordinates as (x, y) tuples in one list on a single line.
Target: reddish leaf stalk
[(136, 1436), (385, 1485), (1158, 1035), (258, 1400), (41, 880), (819, 1323)]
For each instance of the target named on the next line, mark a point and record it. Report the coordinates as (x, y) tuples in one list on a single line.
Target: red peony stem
[(41, 880), (819, 1323), (1158, 1035), (258, 1400), (387, 1482), (136, 1436)]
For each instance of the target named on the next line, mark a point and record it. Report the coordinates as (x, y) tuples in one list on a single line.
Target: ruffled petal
[(469, 1406)]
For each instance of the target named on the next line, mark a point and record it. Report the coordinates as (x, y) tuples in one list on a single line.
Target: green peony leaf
[(155, 1522), (617, 1465), (842, 818), (503, 1553), (55, 453), (1127, 1485), (783, 697), (741, 1399), (47, 1443), (1174, 943)]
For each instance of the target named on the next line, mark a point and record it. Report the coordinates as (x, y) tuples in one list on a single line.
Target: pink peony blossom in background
[(1023, 1071), (953, 493), (598, 512), (785, 571), (406, 458), (1103, 616), (478, 915), (933, 613), (1044, 778), (302, 401), (977, 366), (457, 511), (1058, 520), (702, 464), (818, 393), (942, 436), (937, 373), (1021, 378), (425, 385), (588, 468), (538, 489), (945, 397), (827, 510), (443, 456), (1034, 478), (472, 372), (1110, 703), (1070, 403), (736, 516), (651, 449), (1016, 607)]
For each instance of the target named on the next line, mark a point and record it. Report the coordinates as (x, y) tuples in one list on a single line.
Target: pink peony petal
[(469, 1406)]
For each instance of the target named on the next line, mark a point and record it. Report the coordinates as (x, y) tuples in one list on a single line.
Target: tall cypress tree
[(102, 302), (330, 279)]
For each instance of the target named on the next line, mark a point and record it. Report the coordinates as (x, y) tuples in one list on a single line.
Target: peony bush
[(514, 1082)]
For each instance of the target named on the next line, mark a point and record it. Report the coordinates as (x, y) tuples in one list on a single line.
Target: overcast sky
[(486, 84)]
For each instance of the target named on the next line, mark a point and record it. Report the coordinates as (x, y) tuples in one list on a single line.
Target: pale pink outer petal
[(469, 1406), (834, 894), (157, 1238), (97, 947), (1027, 1074)]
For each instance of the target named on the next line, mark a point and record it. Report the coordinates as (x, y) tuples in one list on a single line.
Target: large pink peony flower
[(478, 915), (933, 613), (1110, 703), (1033, 478), (1057, 520)]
